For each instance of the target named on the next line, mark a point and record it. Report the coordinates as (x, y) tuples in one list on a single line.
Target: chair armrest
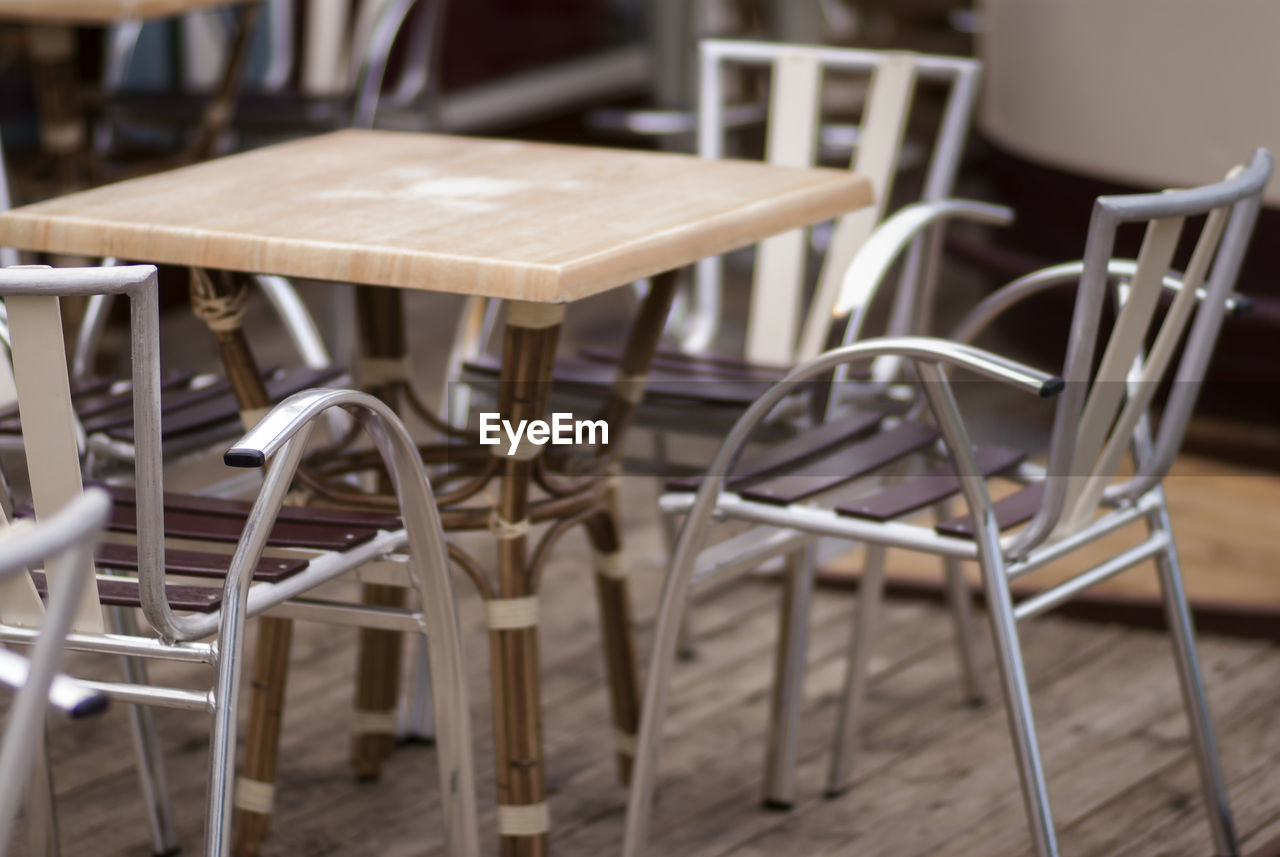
[(875, 258)]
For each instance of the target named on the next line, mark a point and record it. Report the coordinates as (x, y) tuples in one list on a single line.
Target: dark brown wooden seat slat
[(196, 563), (1017, 508), (843, 465), (207, 411), (598, 378), (124, 593), (215, 528), (916, 492), (94, 398), (713, 366), (693, 364), (123, 495), (792, 451)]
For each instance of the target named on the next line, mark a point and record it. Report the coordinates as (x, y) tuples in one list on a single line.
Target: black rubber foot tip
[(778, 805), (416, 740), (832, 794), (368, 778), (172, 852), (976, 702)]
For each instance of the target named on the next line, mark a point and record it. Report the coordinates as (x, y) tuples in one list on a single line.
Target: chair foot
[(832, 794), (416, 741), (171, 852), (777, 805), (976, 702)]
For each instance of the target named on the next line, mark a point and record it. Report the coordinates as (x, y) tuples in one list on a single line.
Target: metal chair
[(336, 78), (782, 326), (309, 546), (1103, 410), (64, 542)]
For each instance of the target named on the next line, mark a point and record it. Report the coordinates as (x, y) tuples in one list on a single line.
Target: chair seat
[(835, 453), (189, 404), (220, 521)]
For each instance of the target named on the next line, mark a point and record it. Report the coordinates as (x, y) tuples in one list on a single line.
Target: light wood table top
[(504, 219), (100, 11)]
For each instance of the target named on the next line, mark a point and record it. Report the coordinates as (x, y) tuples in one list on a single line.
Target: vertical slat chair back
[(780, 328), (49, 428), (48, 422), (1102, 413)]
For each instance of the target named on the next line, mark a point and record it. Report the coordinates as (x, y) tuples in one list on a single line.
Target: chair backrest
[(49, 427), (1105, 410), (775, 331)]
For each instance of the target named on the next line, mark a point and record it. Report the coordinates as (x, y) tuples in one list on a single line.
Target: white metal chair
[(309, 546), (64, 542), (1104, 411)]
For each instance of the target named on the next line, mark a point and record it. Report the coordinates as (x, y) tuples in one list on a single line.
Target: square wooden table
[(536, 225)]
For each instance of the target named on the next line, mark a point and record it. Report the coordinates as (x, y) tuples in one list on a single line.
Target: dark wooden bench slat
[(693, 364), (223, 529), (792, 451), (1017, 508), (219, 528), (196, 563), (210, 411), (124, 593), (598, 379), (916, 492), (843, 465), (124, 495), (94, 398)]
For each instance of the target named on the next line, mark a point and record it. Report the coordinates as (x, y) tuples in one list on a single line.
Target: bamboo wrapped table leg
[(219, 299), (62, 131), (382, 344)]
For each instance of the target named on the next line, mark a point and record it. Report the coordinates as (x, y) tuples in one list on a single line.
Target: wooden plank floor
[(934, 778)]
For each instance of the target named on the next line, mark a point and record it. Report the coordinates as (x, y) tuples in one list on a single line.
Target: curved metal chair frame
[(63, 545), (281, 437), (1101, 414)]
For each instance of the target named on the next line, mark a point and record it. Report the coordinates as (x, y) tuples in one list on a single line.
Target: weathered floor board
[(933, 776)]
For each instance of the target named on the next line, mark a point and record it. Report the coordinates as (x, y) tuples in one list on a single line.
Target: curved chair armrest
[(876, 257), (1010, 295)]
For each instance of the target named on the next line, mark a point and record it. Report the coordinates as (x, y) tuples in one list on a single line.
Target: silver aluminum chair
[(64, 544), (1101, 413), (225, 541)]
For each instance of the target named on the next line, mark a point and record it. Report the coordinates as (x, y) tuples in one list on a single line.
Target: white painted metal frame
[(1079, 478), (281, 437), (796, 85)]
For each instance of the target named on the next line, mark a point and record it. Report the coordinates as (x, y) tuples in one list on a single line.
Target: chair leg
[(1178, 616), (146, 743), (417, 722), (686, 649), (1017, 698), (960, 603), (961, 607), (788, 679), (614, 599), (861, 637), (222, 742), (41, 811)]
